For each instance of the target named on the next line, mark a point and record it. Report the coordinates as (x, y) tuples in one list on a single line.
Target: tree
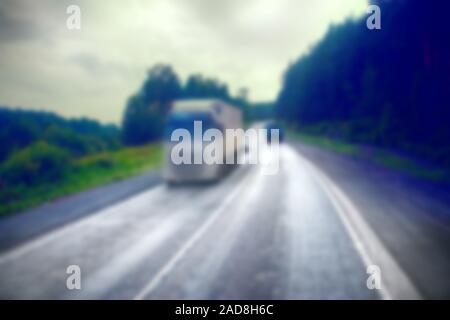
[(387, 87), (198, 86), (38, 162), (20, 128), (145, 112)]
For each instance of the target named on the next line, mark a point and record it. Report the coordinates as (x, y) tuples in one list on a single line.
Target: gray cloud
[(12, 26), (93, 71), (94, 65)]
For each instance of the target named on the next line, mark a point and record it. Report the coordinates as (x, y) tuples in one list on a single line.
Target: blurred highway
[(293, 235)]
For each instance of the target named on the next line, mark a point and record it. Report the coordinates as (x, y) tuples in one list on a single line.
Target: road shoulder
[(411, 217), (19, 228)]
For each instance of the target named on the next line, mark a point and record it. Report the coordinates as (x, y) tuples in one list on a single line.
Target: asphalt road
[(293, 235)]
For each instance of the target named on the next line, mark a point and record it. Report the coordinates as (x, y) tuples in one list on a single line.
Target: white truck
[(190, 115)]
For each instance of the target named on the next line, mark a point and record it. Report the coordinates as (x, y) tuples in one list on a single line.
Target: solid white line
[(169, 266), (395, 282)]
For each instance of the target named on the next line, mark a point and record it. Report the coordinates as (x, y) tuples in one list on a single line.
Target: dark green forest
[(22, 128), (38, 146), (388, 87)]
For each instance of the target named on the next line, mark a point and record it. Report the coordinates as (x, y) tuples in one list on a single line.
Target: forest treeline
[(38, 146), (21, 128), (388, 87)]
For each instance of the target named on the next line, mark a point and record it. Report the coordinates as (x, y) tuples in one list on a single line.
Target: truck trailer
[(185, 120)]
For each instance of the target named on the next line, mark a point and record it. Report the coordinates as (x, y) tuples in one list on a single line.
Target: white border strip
[(395, 282)]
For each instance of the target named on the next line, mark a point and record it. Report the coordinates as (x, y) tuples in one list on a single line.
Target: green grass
[(83, 174), (382, 157), (327, 143), (410, 166)]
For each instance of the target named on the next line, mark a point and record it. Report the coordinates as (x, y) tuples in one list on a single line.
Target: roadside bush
[(67, 139), (39, 162), (100, 160)]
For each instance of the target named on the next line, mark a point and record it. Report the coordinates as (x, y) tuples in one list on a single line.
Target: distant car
[(273, 125)]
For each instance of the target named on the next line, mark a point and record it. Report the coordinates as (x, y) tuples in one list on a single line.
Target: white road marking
[(395, 282), (209, 268), (169, 266)]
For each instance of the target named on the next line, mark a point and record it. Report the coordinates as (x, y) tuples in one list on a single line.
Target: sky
[(91, 72)]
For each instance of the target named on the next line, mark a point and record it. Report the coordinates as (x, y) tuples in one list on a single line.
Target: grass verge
[(381, 157), (82, 174)]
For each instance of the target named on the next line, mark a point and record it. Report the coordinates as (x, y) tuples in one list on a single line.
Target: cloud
[(93, 71), (94, 65), (13, 27)]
